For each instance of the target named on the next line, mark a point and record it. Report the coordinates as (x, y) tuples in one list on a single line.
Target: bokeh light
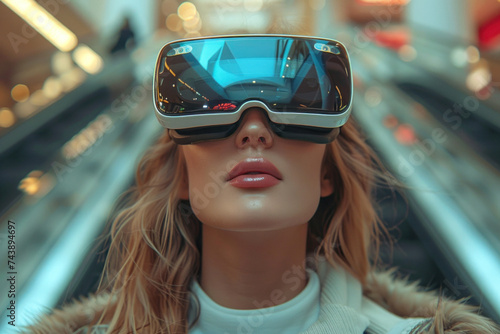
[(173, 22), (192, 25), (187, 10), (407, 53), (39, 99), (52, 87), (473, 55), (88, 59), (61, 62), (20, 93), (405, 134), (7, 118)]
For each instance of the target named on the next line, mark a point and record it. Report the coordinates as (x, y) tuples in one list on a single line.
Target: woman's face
[(255, 180)]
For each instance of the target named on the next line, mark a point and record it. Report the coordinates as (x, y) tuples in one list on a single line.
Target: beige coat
[(397, 296)]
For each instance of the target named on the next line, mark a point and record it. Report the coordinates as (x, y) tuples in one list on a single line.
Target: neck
[(250, 270)]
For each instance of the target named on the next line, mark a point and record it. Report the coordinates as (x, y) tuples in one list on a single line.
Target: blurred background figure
[(75, 119), (126, 38)]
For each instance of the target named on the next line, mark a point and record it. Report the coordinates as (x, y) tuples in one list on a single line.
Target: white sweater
[(331, 303)]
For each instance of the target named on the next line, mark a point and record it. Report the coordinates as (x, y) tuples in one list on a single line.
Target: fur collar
[(397, 296), (408, 300)]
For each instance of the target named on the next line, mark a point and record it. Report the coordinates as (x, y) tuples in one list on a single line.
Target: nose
[(254, 130)]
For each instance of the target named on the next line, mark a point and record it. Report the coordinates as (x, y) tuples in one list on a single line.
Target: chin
[(257, 212), (254, 222)]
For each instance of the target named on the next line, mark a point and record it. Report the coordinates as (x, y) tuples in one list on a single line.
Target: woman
[(253, 212)]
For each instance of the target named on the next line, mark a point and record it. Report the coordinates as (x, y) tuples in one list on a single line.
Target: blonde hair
[(154, 252)]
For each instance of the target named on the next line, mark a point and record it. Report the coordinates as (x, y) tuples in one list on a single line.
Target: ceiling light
[(87, 59), (43, 22)]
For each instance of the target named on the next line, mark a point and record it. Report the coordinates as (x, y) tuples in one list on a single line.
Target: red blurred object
[(405, 134), (489, 33), (224, 106), (393, 39)]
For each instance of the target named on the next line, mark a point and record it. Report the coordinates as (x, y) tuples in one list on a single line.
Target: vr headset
[(202, 86)]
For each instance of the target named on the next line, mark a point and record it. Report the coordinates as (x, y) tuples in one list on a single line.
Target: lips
[(254, 173)]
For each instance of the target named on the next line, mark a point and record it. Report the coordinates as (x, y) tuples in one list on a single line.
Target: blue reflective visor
[(202, 86)]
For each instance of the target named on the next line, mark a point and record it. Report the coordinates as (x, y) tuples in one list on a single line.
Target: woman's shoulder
[(74, 317), (387, 302), (408, 300)]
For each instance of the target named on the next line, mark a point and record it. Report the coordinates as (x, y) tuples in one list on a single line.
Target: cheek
[(306, 168), (206, 176), (304, 182), (195, 175), (197, 164), (306, 188)]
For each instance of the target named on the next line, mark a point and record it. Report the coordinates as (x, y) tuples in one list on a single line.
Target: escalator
[(461, 118)]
